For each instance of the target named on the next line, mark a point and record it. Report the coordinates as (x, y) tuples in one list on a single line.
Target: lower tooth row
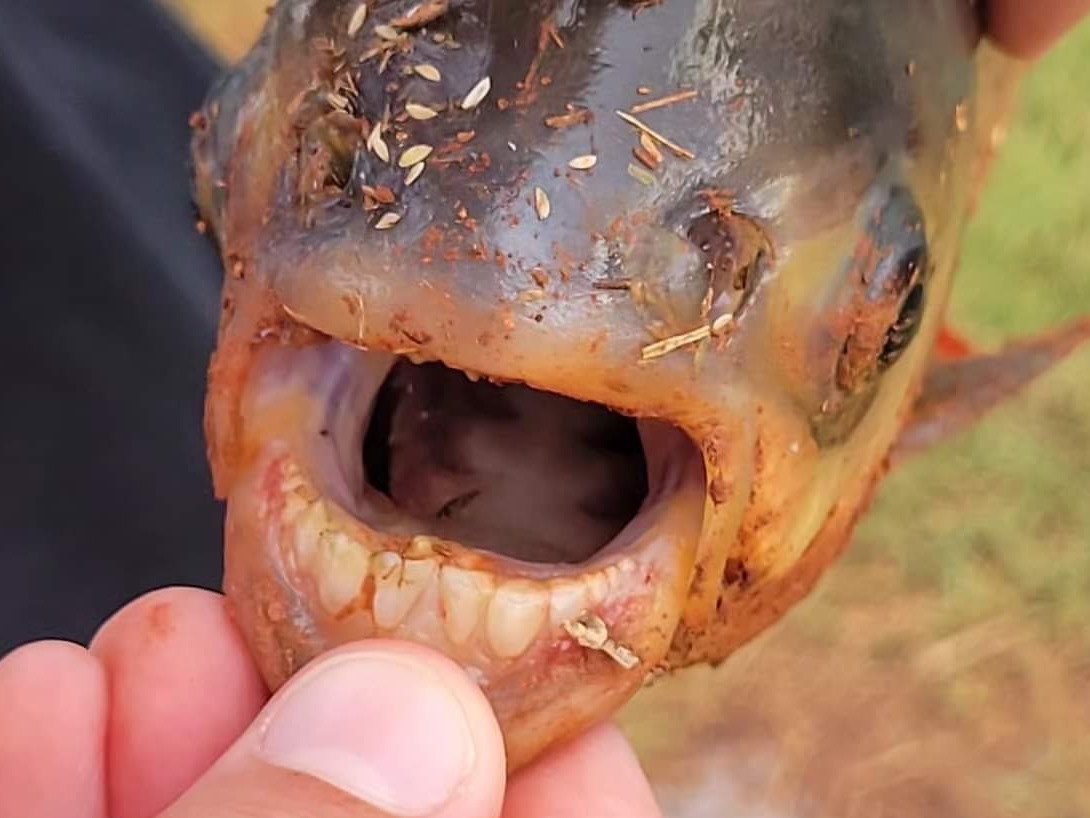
[(507, 614)]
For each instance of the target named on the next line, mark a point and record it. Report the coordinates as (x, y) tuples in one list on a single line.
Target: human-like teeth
[(515, 616), (310, 523), (464, 595), (567, 601), (398, 585), (343, 566)]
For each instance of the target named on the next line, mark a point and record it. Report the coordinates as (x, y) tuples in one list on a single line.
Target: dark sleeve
[(108, 303)]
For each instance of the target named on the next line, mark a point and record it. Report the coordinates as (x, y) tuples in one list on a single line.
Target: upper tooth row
[(416, 591)]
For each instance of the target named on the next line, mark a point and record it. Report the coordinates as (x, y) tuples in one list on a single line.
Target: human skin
[(1028, 29), (136, 726), (165, 715)]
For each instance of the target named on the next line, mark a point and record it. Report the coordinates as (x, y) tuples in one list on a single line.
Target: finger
[(182, 689), (52, 732), (1028, 29), (374, 729), (597, 775)]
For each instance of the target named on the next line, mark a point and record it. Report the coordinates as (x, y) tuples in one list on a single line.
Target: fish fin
[(957, 392), (953, 346)]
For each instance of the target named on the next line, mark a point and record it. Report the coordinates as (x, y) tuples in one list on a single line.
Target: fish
[(572, 338)]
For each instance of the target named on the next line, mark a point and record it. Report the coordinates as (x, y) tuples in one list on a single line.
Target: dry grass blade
[(583, 162), (359, 17), (428, 72), (477, 94), (651, 132), (674, 343), (414, 155), (663, 102), (420, 112), (541, 204)]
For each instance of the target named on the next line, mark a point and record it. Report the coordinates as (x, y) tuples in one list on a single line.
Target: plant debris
[(414, 173), (420, 112), (421, 14), (388, 33), (641, 175), (674, 343), (414, 155), (477, 94), (359, 17), (542, 204), (377, 145), (583, 162), (684, 153), (387, 220), (576, 116), (591, 632), (663, 102), (428, 72)]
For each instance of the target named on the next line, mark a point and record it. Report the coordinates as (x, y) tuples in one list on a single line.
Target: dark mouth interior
[(530, 475)]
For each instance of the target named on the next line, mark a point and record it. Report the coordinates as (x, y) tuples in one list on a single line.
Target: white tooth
[(597, 588), (294, 505), (309, 527), (398, 587), (515, 616), (463, 594), (344, 564), (567, 601)]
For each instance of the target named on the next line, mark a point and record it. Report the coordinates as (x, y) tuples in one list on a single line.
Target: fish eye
[(891, 267), (882, 301)]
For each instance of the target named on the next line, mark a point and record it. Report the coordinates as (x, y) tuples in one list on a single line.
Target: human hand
[(1028, 29), (166, 716)]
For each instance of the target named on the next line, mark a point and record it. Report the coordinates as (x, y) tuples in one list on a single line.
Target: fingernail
[(380, 727)]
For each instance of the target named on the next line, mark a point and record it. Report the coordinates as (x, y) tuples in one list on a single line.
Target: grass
[(942, 668)]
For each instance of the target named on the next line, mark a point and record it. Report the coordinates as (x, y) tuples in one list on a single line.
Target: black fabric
[(108, 303)]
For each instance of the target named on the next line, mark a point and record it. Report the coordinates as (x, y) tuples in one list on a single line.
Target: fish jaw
[(306, 571), (710, 312)]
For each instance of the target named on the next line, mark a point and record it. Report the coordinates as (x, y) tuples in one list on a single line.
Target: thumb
[(375, 729)]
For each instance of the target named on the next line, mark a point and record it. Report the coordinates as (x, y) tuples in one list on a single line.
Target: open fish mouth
[(544, 543), (491, 521)]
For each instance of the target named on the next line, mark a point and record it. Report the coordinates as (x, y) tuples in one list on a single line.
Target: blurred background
[(943, 667)]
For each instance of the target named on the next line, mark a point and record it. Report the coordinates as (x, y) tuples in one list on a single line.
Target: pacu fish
[(572, 337)]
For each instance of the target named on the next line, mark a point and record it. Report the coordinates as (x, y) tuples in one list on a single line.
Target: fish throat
[(526, 474)]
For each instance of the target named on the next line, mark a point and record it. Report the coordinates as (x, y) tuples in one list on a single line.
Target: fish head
[(571, 338)]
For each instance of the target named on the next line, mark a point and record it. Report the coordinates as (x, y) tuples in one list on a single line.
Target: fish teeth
[(515, 616), (567, 601), (463, 595), (343, 566), (309, 526), (398, 585)]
